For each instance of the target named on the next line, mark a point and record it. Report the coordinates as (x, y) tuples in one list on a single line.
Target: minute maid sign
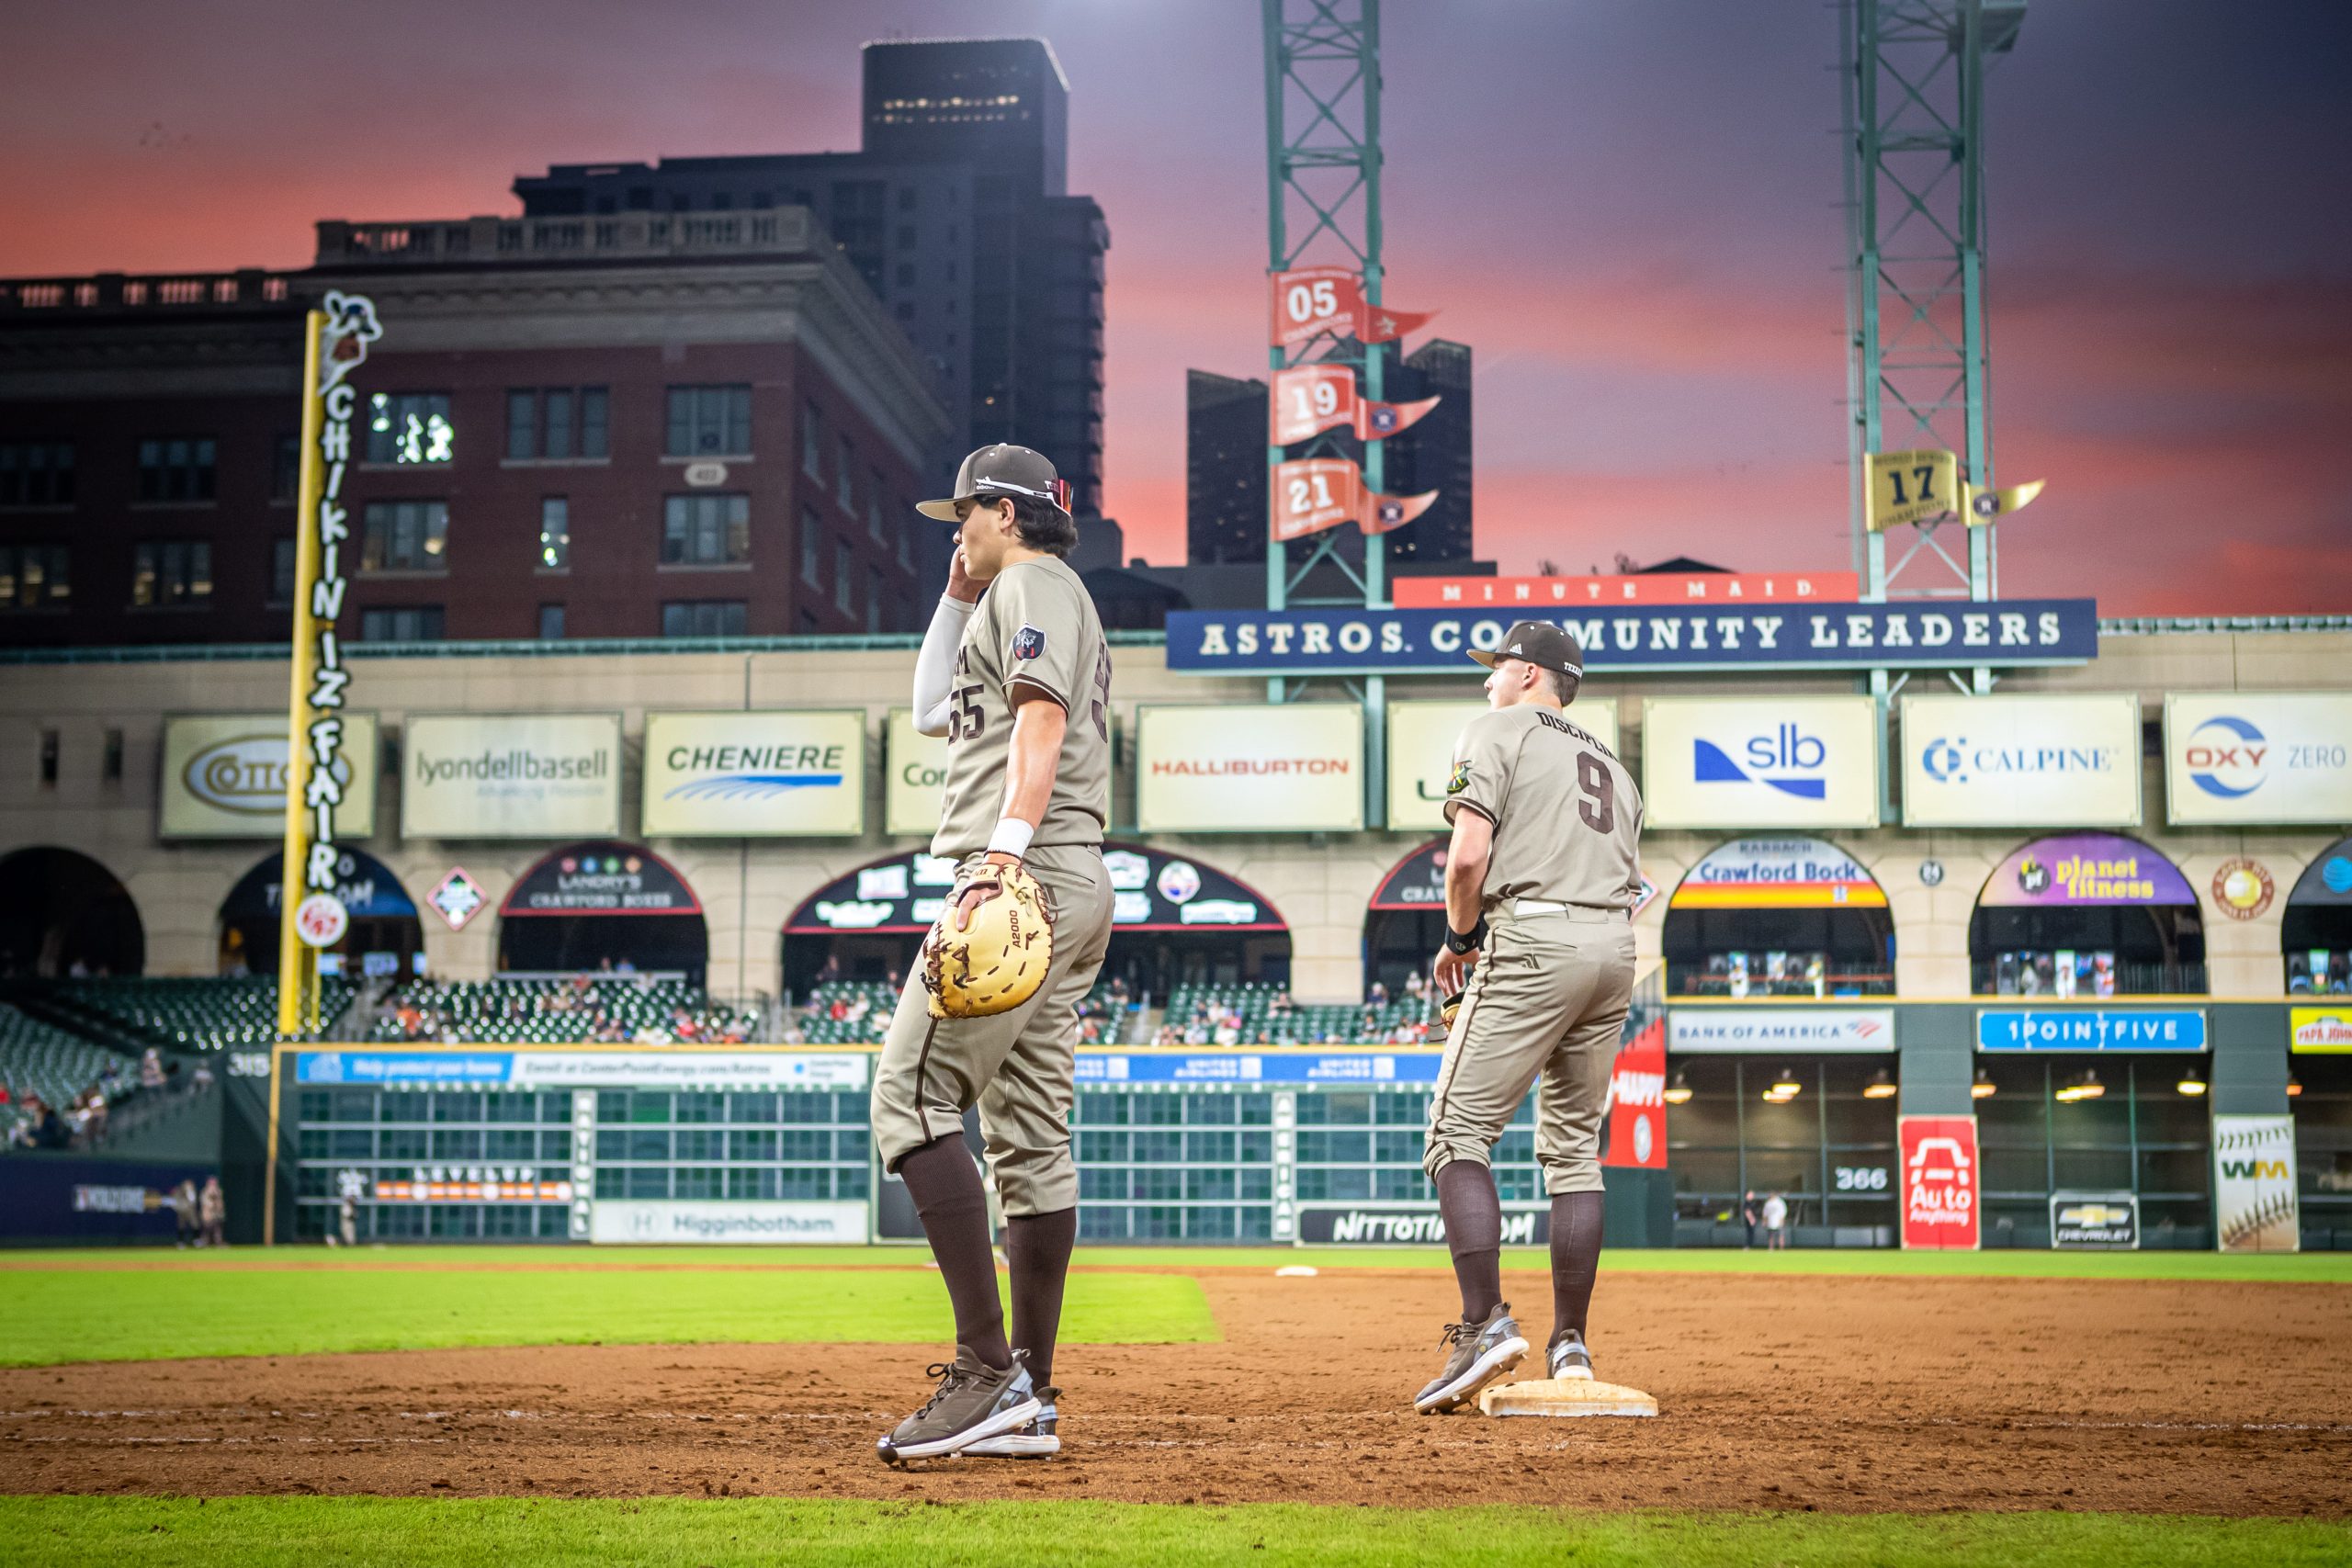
[(750, 775)]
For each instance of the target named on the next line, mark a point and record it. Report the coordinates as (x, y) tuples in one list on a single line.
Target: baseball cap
[(999, 470), (1538, 643)]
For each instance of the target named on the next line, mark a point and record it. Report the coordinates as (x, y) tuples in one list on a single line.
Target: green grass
[(310, 1532), (87, 1315)]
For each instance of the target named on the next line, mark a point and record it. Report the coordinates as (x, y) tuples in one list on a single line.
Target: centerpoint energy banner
[(1759, 761), (1640, 637), (1421, 750), (1286, 767), (2078, 869), (2021, 761), (755, 775), (2258, 756), (224, 777), (915, 776), (511, 776)]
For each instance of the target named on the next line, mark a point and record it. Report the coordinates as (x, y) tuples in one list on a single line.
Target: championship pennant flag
[(1311, 398), (1313, 301), (1921, 486), (1315, 493)]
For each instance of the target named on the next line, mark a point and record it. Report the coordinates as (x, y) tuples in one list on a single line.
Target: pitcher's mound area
[(1775, 1392)]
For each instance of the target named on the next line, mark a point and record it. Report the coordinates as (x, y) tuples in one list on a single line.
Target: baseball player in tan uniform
[(1539, 882), (1015, 673)]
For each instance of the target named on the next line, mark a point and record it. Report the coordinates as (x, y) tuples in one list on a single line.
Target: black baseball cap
[(1538, 643), (1000, 470)]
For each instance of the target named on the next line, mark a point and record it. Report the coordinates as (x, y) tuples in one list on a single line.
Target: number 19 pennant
[(1316, 493), (1311, 398)]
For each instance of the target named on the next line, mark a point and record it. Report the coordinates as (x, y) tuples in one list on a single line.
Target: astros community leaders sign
[(1641, 636), (511, 776), (755, 775)]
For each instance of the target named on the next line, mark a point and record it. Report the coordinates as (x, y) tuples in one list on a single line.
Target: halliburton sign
[(1940, 1182)]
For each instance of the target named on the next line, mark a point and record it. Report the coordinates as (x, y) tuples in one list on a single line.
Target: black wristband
[(1457, 942)]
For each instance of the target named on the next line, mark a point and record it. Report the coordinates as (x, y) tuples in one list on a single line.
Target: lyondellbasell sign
[(1941, 1182)]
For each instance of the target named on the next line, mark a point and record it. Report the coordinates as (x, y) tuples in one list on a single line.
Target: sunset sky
[(1628, 209)]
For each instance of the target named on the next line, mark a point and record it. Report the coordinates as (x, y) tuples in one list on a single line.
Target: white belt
[(1537, 906)]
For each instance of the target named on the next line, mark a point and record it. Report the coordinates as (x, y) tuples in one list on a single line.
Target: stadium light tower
[(1918, 367)]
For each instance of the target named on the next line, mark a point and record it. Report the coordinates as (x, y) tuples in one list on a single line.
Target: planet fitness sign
[(2079, 870)]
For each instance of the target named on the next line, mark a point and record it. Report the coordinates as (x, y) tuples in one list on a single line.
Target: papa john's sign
[(1942, 1183)]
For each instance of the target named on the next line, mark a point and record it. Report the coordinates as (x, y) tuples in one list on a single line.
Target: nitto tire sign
[(1941, 1182), (1347, 1225)]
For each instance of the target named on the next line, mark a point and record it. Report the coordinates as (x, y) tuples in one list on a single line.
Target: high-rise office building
[(955, 212), (1225, 470)]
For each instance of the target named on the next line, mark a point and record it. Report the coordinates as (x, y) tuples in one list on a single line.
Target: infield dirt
[(1843, 1394)]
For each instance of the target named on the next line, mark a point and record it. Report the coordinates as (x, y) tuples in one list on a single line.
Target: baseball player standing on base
[(1019, 681), (1539, 882)]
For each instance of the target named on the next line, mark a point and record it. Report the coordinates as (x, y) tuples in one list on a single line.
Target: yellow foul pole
[(298, 961)]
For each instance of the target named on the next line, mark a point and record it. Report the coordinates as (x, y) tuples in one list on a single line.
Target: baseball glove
[(998, 961)]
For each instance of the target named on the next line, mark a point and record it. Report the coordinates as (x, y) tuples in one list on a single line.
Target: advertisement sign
[(1939, 1181), (2243, 888), (914, 771), (460, 1184), (224, 777), (1633, 1135), (2007, 632), (511, 775), (666, 1223), (1364, 1224), (2023, 762), (1637, 588), (1150, 891), (601, 878), (2320, 1031), (1731, 1030), (741, 1067), (364, 885), (1421, 750), (755, 775), (1258, 1066), (1778, 874), (1760, 761), (91, 1200), (2075, 870), (2090, 1029), (2258, 757), (2095, 1222), (1289, 767), (2254, 1204)]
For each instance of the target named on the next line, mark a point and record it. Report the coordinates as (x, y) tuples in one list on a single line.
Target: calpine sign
[(1641, 636)]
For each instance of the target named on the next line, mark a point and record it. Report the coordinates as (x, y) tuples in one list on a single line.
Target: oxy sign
[(1941, 1182), (2258, 757), (2021, 761)]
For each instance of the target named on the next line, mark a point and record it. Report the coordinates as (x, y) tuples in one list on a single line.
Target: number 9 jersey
[(1036, 628), (1567, 815)]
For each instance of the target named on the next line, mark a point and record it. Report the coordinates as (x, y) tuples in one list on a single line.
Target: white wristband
[(1012, 836)]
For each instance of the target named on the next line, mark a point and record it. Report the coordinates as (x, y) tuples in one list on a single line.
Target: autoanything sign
[(2021, 761), (2258, 756), (601, 878), (1421, 751), (1517, 593), (1762, 761), (1640, 637), (1719, 1030), (224, 777), (2256, 1207), (2095, 1222), (1941, 1181), (511, 775), (1353, 1225), (755, 775), (1291, 767), (2090, 1029), (915, 776)]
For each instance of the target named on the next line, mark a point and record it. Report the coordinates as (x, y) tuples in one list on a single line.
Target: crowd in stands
[(224, 1014), (1262, 1014), (857, 1013), (614, 1007), (39, 1065)]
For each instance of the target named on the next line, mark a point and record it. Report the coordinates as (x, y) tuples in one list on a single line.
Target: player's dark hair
[(1563, 686), (1043, 525)]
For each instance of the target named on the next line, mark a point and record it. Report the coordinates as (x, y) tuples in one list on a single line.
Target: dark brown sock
[(946, 1186), (1576, 1258), (1036, 1247), (1474, 1234)]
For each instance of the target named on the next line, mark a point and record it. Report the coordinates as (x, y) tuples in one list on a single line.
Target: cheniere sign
[(1641, 636)]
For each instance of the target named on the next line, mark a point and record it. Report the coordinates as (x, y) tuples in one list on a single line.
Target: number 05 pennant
[(1313, 301), (1311, 398), (1316, 493)]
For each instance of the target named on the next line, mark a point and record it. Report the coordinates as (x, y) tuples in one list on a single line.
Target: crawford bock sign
[(1640, 637), (1940, 1184)]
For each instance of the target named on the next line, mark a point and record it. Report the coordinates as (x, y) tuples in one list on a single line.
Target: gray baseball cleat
[(1569, 1357), (973, 1401), (1041, 1439), (1481, 1353)]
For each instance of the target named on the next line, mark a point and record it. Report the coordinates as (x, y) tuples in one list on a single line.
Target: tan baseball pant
[(1016, 1066), (1548, 998)]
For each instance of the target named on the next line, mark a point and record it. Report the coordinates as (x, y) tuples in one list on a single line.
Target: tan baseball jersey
[(1035, 626), (1567, 816)]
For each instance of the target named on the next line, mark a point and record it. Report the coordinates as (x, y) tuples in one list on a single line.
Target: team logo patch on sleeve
[(1461, 779), (1028, 642)]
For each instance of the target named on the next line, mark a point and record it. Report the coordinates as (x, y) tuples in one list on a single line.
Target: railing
[(250, 288), (457, 241)]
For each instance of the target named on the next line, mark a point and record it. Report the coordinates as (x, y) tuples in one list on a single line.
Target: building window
[(710, 422), (811, 566), (845, 463), (175, 468), (522, 426), (408, 427), (874, 506), (705, 530), (286, 471), (112, 765), (596, 417), (405, 535), (34, 577), (551, 623), (703, 617), (812, 442), (558, 423), (35, 473), (283, 556), (555, 533), (844, 577), (873, 598), (400, 623), (172, 571)]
